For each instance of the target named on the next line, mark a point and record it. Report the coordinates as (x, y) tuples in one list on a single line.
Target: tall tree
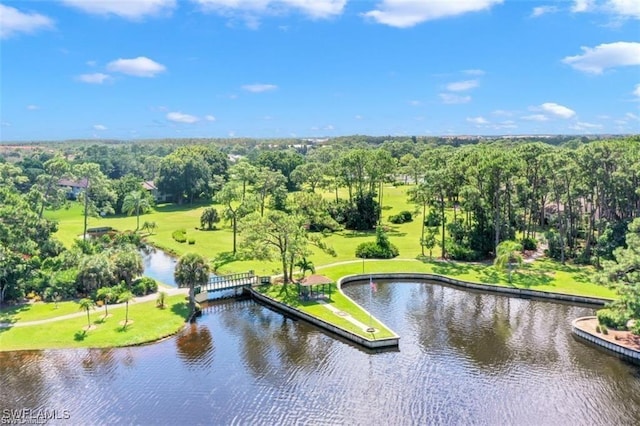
[(192, 270), (125, 297), (127, 265), (279, 235), (86, 304), (236, 206), (135, 202), (508, 256)]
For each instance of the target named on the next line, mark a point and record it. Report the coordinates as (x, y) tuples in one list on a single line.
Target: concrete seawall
[(371, 343), (623, 352), (508, 291)]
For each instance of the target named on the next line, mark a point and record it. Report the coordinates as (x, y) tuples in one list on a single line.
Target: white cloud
[(451, 98), (91, 63), (32, 107), (582, 6), (415, 103), (474, 72), (139, 67), (259, 88), (95, 78), (128, 9), (632, 116), (5, 124), (460, 86), (557, 110), (584, 126), (595, 60), (358, 117), (179, 117), (99, 127), (407, 13), (625, 8), (543, 10), (209, 118), (535, 117), (316, 9), (636, 91), (477, 120), (13, 22), (502, 112)]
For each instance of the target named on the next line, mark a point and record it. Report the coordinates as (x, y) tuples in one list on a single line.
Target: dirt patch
[(622, 338)]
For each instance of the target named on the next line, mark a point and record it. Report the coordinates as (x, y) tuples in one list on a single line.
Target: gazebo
[(314, 286)]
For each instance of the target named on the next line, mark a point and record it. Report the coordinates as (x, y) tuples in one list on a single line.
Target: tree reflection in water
[(195, 346)]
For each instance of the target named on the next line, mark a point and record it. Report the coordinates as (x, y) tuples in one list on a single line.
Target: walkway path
[(346, 316), (147, 298)]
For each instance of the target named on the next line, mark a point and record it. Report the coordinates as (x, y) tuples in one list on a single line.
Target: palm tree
[(86, 304), (306, 265), (105, 294), (209, 217), (191, 270), (125, 297), (508, 256), (149, 226), (127, 265), (135, 202)]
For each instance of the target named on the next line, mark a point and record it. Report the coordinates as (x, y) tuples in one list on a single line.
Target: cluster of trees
[(471, 194)]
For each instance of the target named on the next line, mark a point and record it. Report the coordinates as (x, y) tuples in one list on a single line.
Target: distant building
[(150, 187), (73, 187)]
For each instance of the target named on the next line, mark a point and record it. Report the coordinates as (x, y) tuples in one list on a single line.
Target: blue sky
[(136, 69)]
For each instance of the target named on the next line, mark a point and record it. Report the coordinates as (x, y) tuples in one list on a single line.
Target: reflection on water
[(159, 266), (464, 358)]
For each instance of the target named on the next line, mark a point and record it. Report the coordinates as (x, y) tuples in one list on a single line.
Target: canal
[(464, 358)]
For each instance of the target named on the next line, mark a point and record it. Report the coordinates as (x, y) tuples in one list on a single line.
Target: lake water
[(464, 358)]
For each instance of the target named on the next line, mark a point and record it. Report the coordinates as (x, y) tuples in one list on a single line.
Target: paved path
[(346, 316), (153, 296)]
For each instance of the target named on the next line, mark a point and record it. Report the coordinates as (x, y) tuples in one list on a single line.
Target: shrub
[(605, 330), (612, 318), (370, 250), (635, 328), (402, 217), (143, 286), (380, 249), (192, 241), (433, 218), (529, 244), (180, 235), (460, 252), (161, 300), (598, 329)]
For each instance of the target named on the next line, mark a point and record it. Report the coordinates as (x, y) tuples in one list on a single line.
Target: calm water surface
[(464, 358)]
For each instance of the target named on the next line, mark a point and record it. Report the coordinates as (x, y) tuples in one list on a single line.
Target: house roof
[(82, 183), (149, 185), (315, 280)]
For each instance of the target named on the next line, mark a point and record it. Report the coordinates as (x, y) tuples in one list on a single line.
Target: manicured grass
[(543, 275), (37, 311), (149, 324), (338, 300)]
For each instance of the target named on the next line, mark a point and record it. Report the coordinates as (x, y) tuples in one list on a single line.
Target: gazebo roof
[(315, 280)]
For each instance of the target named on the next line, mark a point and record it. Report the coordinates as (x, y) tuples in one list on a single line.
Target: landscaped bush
[(433, 218), (192, 241), (143, 286), (180, 235), (402, 217), (460, 252), (380, 249), (635, 328), (612, 318), (529, 244)]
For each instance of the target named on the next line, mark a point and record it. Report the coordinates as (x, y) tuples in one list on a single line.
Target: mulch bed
[(622, 338)]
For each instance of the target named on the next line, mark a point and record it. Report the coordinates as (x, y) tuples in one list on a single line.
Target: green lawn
[(37, 311), (541, 275), (149, 324), (338, 300)]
